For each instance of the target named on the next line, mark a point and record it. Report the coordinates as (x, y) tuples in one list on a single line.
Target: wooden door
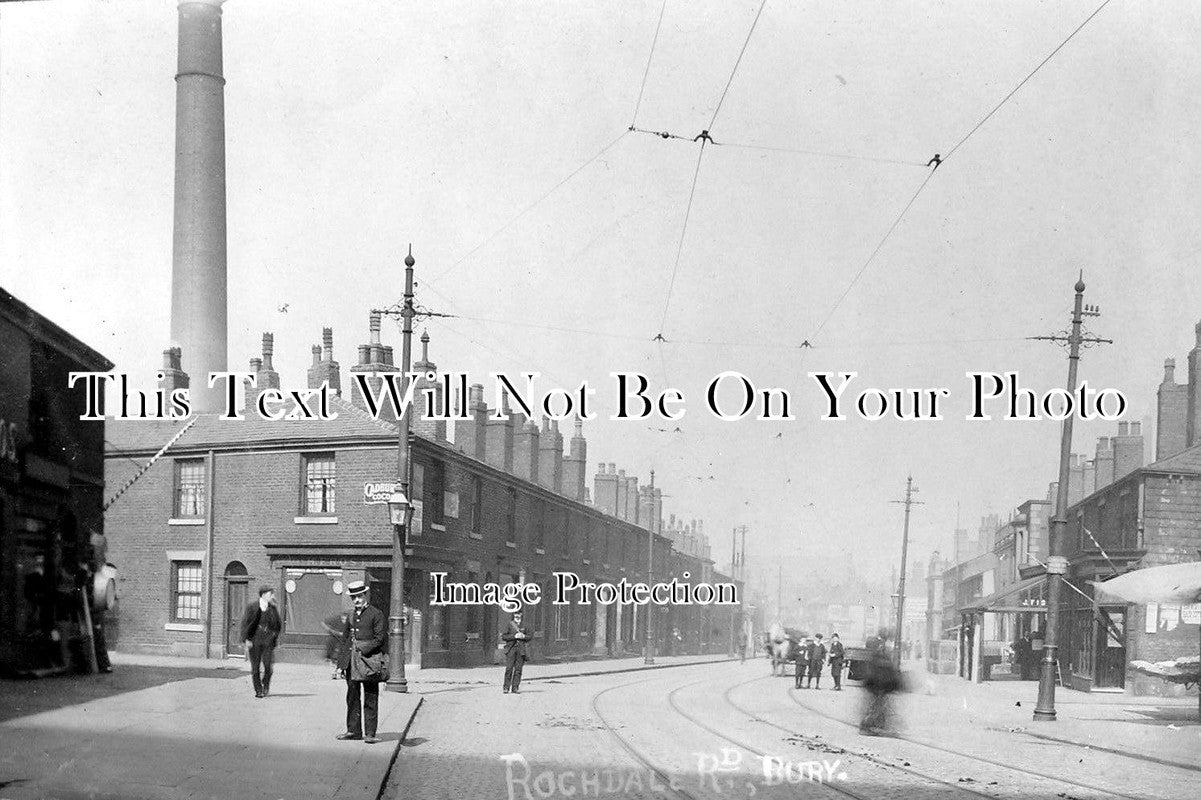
[(235, 602)]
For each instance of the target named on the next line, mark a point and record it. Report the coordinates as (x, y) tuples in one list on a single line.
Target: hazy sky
[(354, 129)]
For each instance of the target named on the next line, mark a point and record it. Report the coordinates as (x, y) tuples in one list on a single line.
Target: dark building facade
[(298, 505), (51, 486)]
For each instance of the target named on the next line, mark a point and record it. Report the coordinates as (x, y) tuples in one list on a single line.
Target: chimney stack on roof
[(173, 375), (372, 358), (324, 368)]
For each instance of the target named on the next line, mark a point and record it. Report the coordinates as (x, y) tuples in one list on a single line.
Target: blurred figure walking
[(882, 680)]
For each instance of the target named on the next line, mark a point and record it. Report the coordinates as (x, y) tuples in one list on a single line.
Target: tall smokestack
[(198, 290)]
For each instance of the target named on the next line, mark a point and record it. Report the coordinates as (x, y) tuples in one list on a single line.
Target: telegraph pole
[(1057, 565), (908, 502), (648, 656)]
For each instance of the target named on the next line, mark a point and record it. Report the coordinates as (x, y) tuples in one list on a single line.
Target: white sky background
[(355, 128)]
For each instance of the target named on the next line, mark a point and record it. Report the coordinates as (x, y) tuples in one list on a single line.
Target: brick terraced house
[(296, 505)]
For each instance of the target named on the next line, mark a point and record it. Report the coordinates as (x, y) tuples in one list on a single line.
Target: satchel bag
[(368, 669)]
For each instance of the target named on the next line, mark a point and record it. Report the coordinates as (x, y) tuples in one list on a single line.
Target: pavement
[(1159, 730), (191, 729)]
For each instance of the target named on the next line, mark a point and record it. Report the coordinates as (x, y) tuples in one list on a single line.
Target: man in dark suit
[(365, 631), (817, 659), (261, 625), (514, 637), (837, 654)]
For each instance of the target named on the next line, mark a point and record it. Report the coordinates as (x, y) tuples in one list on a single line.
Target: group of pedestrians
[(812, 655)]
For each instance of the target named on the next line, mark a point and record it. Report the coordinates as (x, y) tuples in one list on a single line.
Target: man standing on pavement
[(817, 659), (514, 637), (260, 631), (365, 632), (837, 653)]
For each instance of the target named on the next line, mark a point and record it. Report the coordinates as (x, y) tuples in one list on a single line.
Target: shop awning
[(1026, 595)]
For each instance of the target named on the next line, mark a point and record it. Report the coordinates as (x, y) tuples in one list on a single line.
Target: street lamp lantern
[(397, 505)]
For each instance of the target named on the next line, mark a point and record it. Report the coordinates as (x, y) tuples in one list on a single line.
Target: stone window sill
[(479, 536), (194, 627), (315, 520), (511, 545), (186, 521)]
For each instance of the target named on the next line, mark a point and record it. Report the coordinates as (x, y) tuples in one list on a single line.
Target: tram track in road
[(643, 758), (628, 746), (929, 745), (810, 743)]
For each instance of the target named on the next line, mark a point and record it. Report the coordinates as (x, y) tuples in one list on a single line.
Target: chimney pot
[(1123, 428), (364, 354), (327, 341), (373, 326), (1136, 429), (316, 354)]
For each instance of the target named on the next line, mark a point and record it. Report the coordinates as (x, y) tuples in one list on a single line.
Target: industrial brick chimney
[(198, 259)]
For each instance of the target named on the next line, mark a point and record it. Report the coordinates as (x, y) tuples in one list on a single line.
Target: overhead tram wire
[(1022, 83), (683, 230), (532, 205), (647, 72), (734, 71), (951, 152), (879, 246)]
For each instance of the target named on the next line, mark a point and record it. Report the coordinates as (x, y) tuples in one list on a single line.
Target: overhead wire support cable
[(661, 134), (531, 206), (1022, 83), (649, 58), (821, 153), (734, 71), (683, 230)]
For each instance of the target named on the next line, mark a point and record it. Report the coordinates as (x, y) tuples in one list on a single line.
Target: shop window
[(186, 584), (319, 481), (189, 487)]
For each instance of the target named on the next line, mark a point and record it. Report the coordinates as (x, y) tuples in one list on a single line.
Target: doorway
[(236, 591), (1111, 649)]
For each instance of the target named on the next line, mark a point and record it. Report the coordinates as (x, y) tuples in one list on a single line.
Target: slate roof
[(1186, 462), (352, 424)]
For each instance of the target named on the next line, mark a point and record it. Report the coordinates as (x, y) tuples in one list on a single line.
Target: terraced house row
[(299, 506)]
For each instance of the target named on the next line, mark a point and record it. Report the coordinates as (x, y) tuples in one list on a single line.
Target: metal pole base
[(1044, 711)]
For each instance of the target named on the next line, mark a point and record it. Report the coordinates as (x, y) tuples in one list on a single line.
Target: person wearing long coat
[(365, 631)]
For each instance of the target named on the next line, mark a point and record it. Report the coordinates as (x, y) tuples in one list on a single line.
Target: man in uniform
[(365, 631), (514, 637), (261, 625)]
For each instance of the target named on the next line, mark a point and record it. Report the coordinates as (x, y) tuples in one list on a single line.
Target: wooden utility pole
[(908, 502)]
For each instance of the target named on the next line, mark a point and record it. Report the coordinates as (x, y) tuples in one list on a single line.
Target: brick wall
[(258, 499)]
